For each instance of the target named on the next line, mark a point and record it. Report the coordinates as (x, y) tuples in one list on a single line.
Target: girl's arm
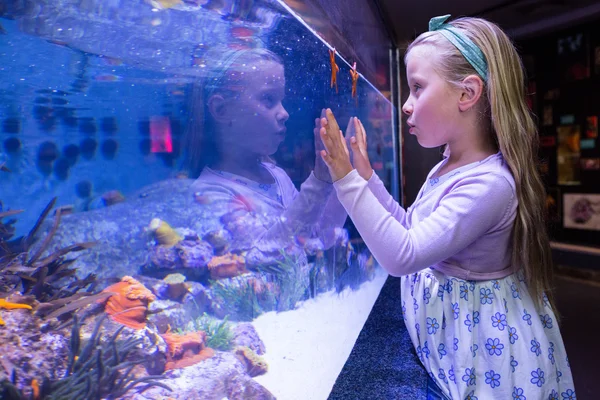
[(474, 206), (385, 199)]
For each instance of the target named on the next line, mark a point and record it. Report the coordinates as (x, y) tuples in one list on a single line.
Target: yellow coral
[(255, 364), (163, 233), (7, 305)]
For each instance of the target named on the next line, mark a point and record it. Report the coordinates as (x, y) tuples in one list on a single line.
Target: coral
[(177, 287), (129, 304), (255, 364), (163, 233), (227, 266), (185, 350)]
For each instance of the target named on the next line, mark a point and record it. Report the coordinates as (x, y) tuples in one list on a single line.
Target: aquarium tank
[(167, 228)]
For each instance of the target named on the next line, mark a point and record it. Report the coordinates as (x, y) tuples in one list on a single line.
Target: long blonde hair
[(511, 123)]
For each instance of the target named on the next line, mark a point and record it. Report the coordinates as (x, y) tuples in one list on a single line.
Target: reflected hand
[(336, 154), (358, 143), (321, 171)]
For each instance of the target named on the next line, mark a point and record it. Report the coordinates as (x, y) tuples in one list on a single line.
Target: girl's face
[(431, 107), (256, 116)]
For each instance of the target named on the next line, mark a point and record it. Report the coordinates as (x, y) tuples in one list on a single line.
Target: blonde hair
[(509, 120), (201, 148)]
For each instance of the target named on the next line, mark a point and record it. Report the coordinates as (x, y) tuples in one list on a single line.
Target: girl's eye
[(416, 87), (269, 100)]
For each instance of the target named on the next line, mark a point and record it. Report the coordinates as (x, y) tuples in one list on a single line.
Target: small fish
[(4, 168), (2, 30), (354, 75), (112, 61), (107, 78), (334, 69)]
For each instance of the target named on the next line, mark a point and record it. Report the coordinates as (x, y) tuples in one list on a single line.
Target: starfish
[(11, 306), (354, 76), (334, 69)]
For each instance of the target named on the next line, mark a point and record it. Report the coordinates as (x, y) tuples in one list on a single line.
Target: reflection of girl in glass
[(237, 123)]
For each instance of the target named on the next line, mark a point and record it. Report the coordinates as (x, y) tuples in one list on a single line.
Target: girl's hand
[(336, 154), (321, 171), (358, 144)]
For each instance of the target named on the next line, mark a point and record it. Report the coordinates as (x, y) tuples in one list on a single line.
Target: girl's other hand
[(358, 143), (321, 171), (336, 154)]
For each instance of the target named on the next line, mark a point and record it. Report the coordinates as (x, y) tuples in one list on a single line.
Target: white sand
[(306, 348)]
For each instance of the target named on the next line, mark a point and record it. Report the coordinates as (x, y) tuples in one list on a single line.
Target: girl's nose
[(407, 108), (282, 114)]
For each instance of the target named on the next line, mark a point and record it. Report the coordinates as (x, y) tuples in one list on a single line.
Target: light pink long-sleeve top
[(460, 224)]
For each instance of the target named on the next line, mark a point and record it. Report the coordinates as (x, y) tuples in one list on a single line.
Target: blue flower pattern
[(469, 376), (535, 347), (546, 321), (426, 295), (499, 321), (517, 394), (432, 326), (455, 310), (537, 377), (492, 379), (496, 346), (442, 350), (513, 363), (512, 335), (486, 296)]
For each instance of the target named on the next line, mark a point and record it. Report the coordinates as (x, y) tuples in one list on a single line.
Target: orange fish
[(354, 76), (334, 69)]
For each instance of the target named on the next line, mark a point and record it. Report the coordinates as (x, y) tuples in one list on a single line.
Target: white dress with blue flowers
[(485, 339)]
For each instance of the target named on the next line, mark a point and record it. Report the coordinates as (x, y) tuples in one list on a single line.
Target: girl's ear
[(217, 105), (471, 92)]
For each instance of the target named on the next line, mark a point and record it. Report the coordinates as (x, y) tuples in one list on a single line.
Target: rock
[(34, 354), (122, 241), (244, 334), (218, 377)]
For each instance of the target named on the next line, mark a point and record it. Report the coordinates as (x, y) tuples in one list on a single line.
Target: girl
[(472, 250), (238, 122)]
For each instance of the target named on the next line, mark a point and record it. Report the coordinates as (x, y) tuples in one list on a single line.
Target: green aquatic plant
[(25, 270), (218, 333), (292, 283), (238, 298), (101, 369)]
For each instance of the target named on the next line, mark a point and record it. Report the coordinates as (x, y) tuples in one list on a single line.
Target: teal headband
[(468, 49)]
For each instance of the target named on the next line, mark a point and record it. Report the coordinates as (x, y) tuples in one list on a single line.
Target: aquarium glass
[(167, 228)]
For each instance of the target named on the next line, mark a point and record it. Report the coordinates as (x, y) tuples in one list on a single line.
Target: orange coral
[(185, 350), (227, 266), (129, 304)]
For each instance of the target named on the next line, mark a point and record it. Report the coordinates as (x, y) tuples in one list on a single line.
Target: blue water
[(97, 103)]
